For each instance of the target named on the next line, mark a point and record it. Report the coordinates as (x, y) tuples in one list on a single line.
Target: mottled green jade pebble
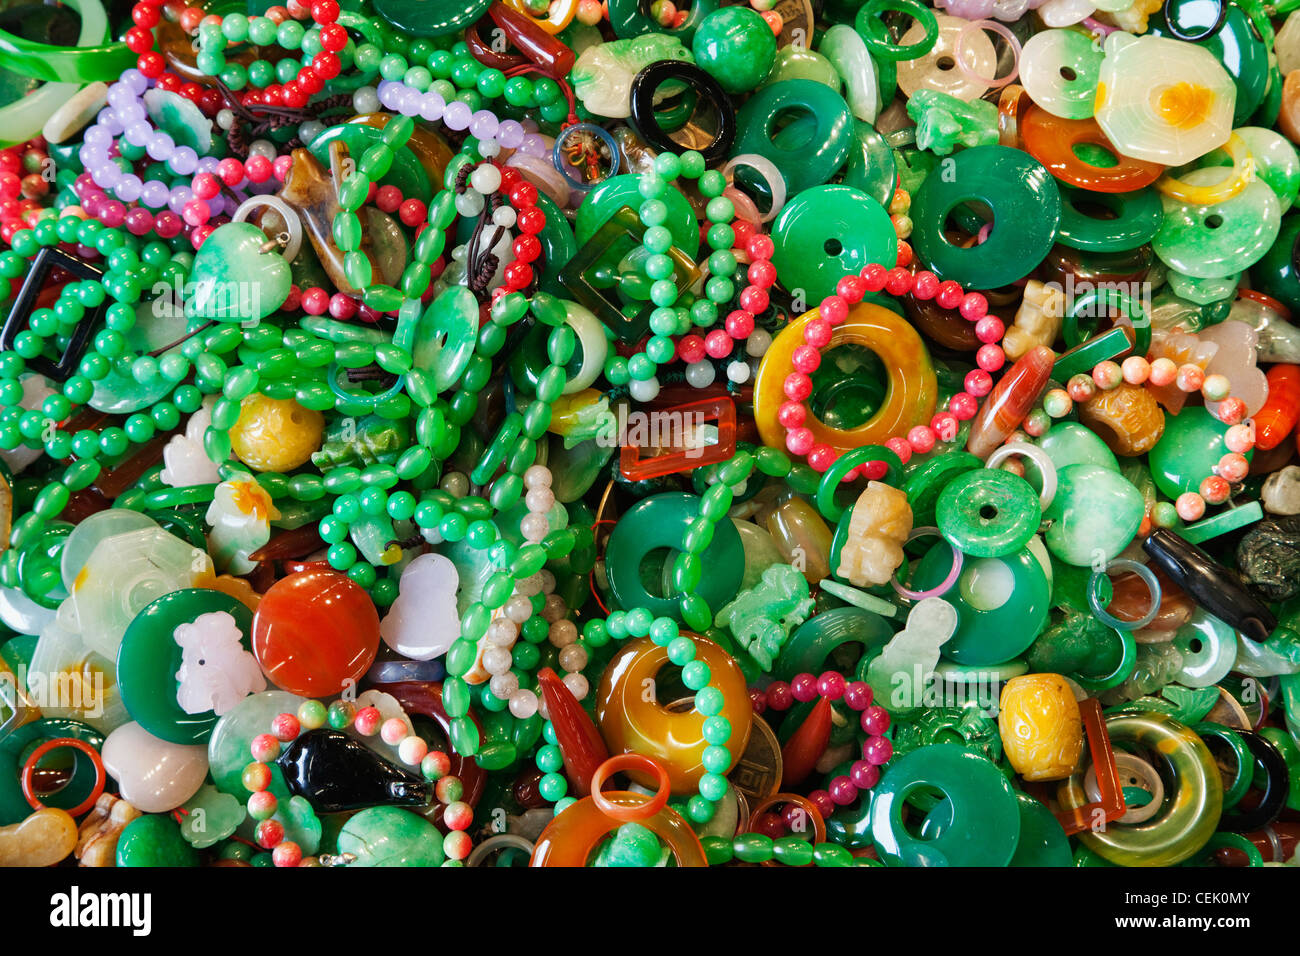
[(1095, 514), (234, 280), (797, 63), (1069, 443), (390, 836), (736, 47), (155, 840), (631, 845)]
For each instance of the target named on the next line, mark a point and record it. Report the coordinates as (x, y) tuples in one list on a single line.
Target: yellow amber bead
[(275, 434), (1042, 732)]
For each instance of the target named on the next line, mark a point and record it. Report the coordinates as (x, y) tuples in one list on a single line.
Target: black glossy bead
[(1210, 584), (336, 772)]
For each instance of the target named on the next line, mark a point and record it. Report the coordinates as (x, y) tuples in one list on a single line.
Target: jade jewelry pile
[(511, 432)]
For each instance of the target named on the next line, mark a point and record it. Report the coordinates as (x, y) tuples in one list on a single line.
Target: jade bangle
[(80, 64), (1208, 731), (655, 127), (1137, 219), (1123, 670), (1231, 841), (858, 598), (179, 497), (25, 118), (1046, 467), (358, 402), (831, 509), (431, 19), (1084, 358), (944, 586), (1190, 812), (926, 481), (884, 50), (1113, 298), (13, 805), (628, 21), (1241, 175), (1277, 786), (812, 642), (1110, 620)]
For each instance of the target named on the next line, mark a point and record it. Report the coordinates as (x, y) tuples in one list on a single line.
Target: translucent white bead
[(226, 119), (518, 609), (548, 581), (496, 660), (554, 608), (540, 500), (644, 390), (503, 686), (505, 217), (758, 342), (738, 372), (309, 130), (573, 657), (486, 178), (489, 148), (538, 476), (469, 203), (563, 633), (523, 704), (502, 632), (700, 374), (263, 147), (366, 100), (577, 685), (534, 527), (530, 585)]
